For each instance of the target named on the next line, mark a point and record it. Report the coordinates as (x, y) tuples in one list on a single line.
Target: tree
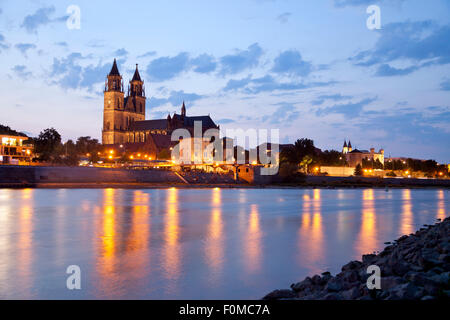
[(47, 144), (306, 161), (358, 170), (331, 158), (304, 147)]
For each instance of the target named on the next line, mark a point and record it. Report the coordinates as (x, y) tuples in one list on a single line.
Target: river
[(194, 243)]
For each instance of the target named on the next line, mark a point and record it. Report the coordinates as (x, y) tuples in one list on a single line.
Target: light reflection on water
[(194, 244)]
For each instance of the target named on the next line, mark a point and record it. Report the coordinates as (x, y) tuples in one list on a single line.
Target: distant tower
[(345, 148), (349, 146), (183, 110), (113, 107)]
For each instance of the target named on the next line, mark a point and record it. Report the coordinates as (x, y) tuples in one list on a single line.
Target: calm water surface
[(194, 243)]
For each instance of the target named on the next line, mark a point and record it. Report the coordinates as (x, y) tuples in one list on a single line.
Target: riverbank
[(414, 267), (165, 185), (86, 177)]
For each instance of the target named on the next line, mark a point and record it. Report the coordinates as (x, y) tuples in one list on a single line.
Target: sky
[(308, 68)]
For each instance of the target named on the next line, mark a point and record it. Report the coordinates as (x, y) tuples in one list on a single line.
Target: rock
[(350, 276), (368, 258), (334, 285), (280, 294), (390, 282), (302, 285), (352, 265), (316, 279), (400, 268), (325, 279), (415, 267), (443, 278), (407, 291), (350, 294), (331, 296)]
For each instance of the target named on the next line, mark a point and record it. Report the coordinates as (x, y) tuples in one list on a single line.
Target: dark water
[(194, 243)]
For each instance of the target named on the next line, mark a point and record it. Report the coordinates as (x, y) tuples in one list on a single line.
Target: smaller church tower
[(345, 148), (349, 146)]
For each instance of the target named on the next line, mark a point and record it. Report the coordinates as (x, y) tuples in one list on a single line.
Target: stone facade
[(120, 112), (355, 156)]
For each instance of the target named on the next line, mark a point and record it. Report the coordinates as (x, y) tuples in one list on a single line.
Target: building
[(14, 149), (124, 120), (356, 156)]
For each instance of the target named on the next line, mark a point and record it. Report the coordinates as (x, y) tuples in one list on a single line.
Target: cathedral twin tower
[(119, 112)]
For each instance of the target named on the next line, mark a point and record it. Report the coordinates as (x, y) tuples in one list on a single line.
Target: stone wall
[(31, 174)]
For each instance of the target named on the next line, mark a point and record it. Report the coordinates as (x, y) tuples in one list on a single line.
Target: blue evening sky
[(310, 68)]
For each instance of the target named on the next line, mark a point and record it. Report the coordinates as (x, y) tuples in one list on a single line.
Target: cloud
[(233, 84), (24, 47), (421, 42), (290, 62), (21, 72), (335, 97), (61, 44), (120, 52), (147, 54), (68, 73), (204, 63), (175, 98), (93, 74), (41, 17), (268, 84), (445, 85), (386, 70), (350, 110), (3, 44), (285, 113), (166, 68), (241, 60), (427, 128), (284, 17), (225, 121)]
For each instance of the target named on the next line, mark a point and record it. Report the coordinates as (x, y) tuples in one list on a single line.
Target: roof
[(149, 125), (114, 70), (345, 144), (136, 76), (359, 151), (207, 122)]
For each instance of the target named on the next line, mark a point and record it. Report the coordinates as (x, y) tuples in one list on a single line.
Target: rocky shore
[(414, 267)]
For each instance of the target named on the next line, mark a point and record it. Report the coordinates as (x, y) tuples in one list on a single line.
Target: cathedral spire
[(183, 110), (114, 70), (136, 76)]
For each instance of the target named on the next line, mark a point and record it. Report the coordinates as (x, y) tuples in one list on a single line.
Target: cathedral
[(355, 156), (124, 116)]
